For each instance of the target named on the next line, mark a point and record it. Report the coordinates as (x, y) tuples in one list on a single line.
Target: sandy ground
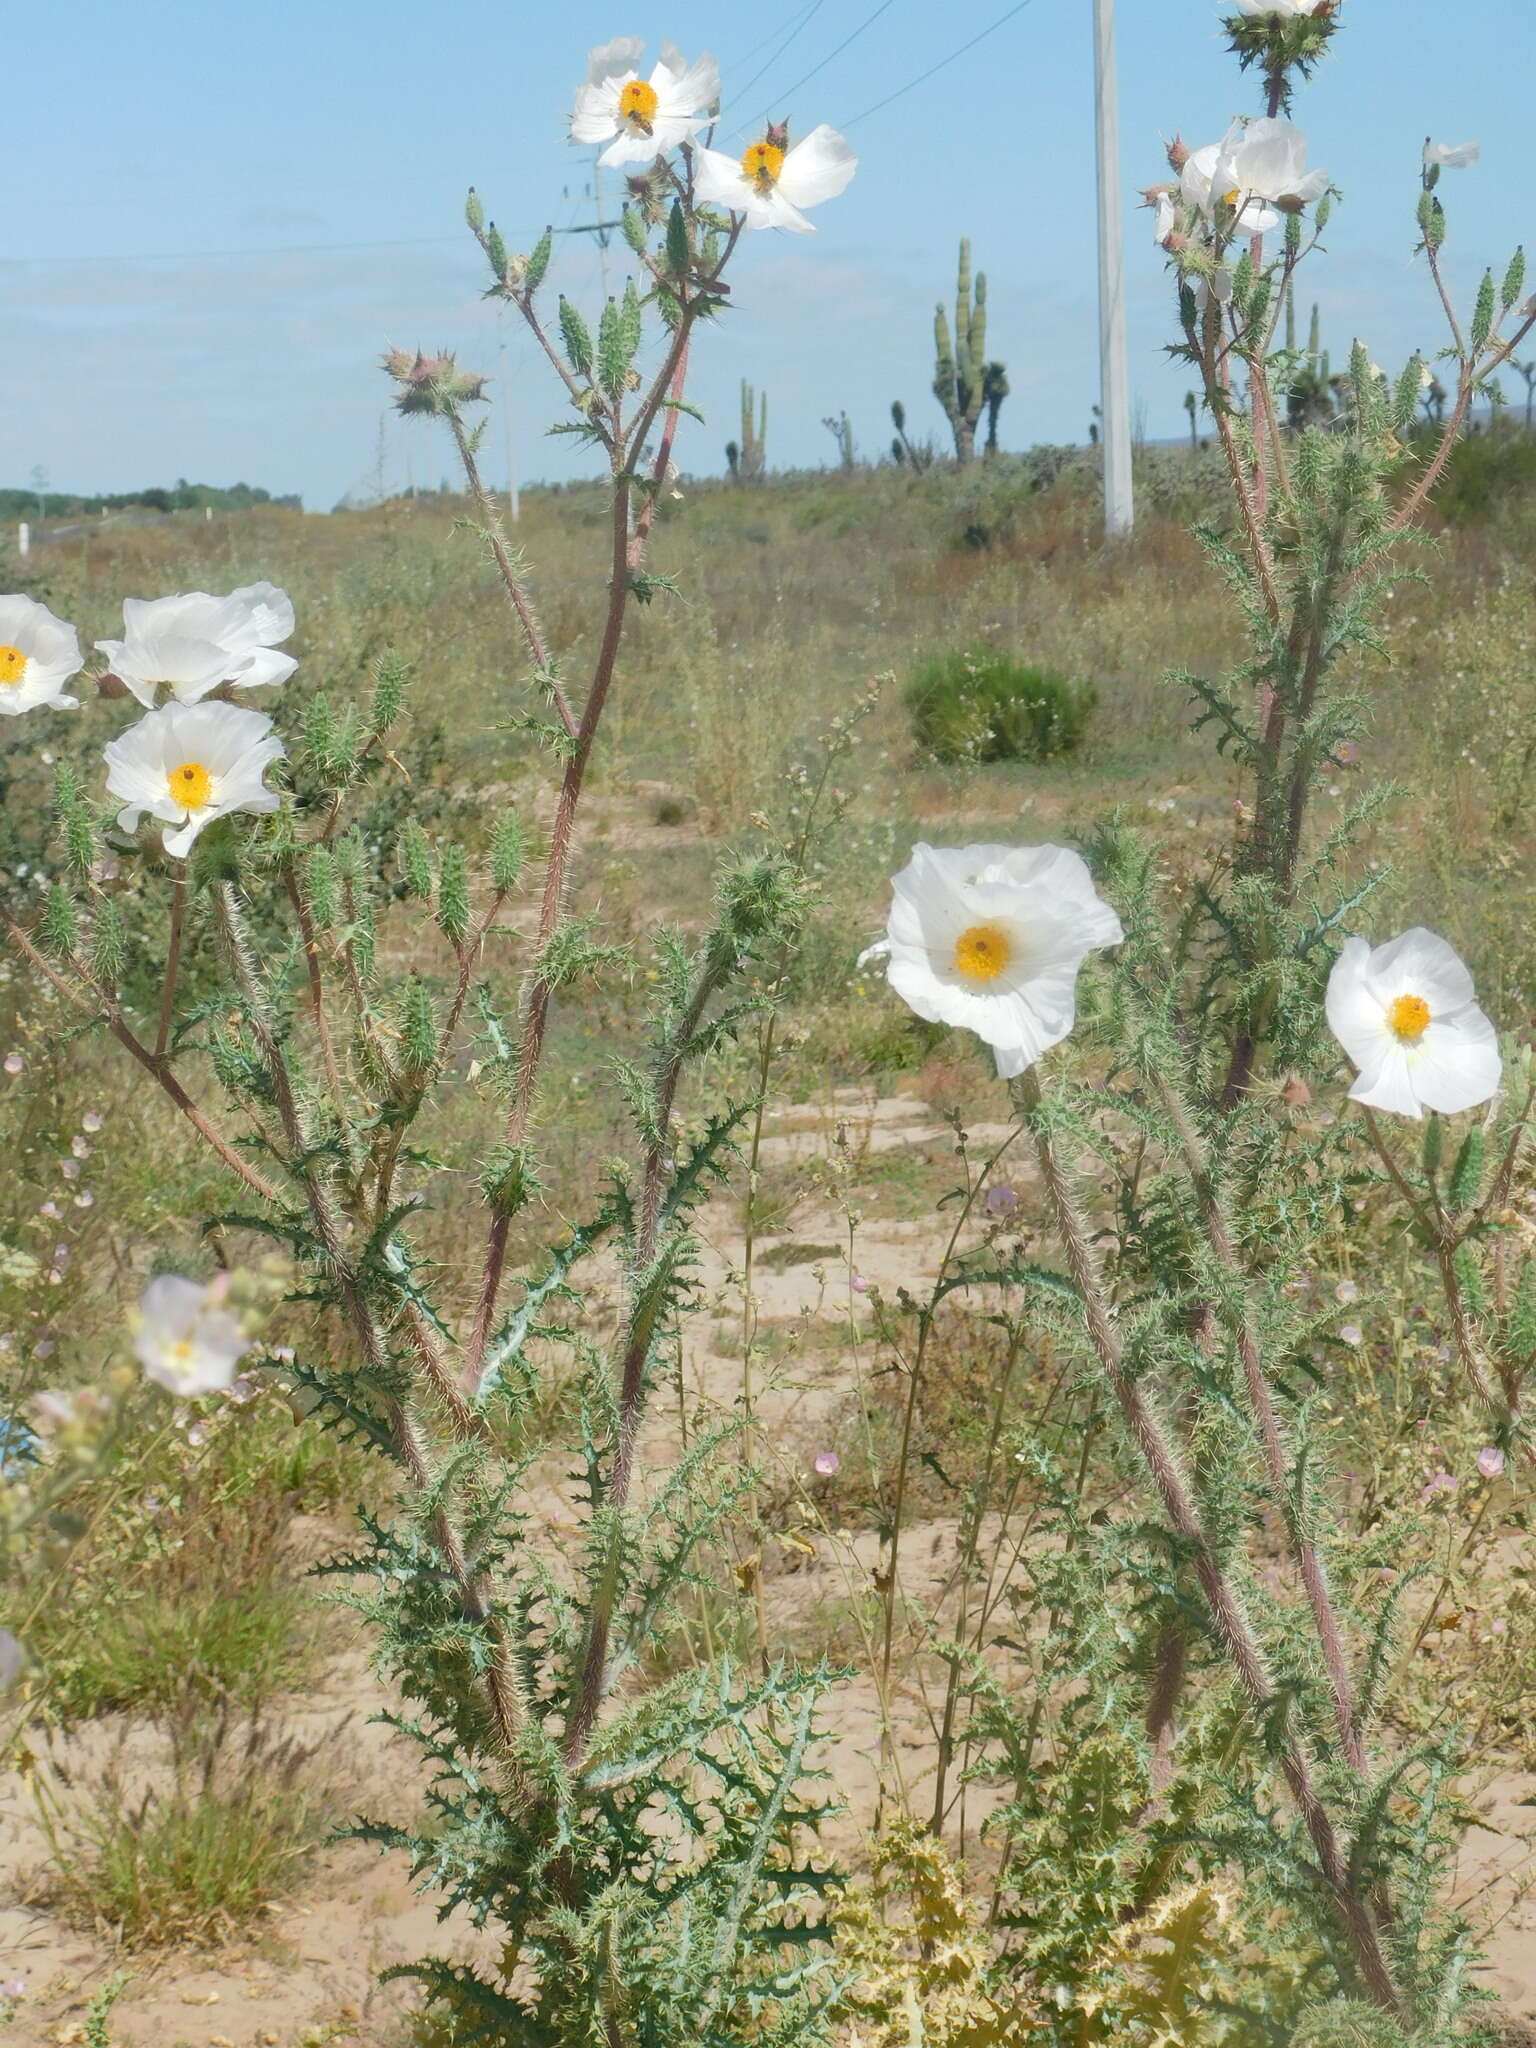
[(309, 1976)]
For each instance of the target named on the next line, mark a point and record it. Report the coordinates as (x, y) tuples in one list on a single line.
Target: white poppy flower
[(38, 655), (991, 938), (772, 185), (1404, 1013), (1451, 156), (184, 1337), (1283, 10), (188, 764), (194, 642), (640, 119), (1256, 168)]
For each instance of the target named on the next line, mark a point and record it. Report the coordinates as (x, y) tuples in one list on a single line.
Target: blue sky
[(177, 302)]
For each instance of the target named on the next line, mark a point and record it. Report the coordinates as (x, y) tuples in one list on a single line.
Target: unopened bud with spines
[(320, 887), (474, 212), (577, 337), (389, 684), (1514, 280), (1482, 313)]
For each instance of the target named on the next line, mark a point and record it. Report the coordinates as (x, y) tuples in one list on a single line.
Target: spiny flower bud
[(474, 212), (432, 384), (1178, 155)]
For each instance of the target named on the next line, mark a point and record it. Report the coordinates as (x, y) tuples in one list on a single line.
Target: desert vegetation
[(769, 1268)]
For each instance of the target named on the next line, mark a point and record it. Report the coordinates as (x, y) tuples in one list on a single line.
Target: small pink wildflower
[(1442, 1482), (1351, 1333), (1347, 1291), (14, 1063), (92, 1121), (827, 1463), (1490, 1461), (860, 1284)]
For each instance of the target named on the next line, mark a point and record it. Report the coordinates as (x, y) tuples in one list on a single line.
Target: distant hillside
[(31, 503)]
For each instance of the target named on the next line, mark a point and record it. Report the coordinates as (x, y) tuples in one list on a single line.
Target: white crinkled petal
[(817, 168), (718, 180), (616, 61)]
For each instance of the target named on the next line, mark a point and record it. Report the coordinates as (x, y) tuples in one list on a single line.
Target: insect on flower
[(642, 118), (770, 184)]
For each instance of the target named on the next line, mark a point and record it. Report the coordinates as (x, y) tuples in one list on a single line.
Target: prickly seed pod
[(1482, 312), (453, 895), (389, 684), (417, 1025), (537, 263), (1514, 280), (320, 887), (1434, 1143), (577, 338), (506, 853), (474, 212), (1467, 1173), (415, 860), (109, 942), (60, 925)]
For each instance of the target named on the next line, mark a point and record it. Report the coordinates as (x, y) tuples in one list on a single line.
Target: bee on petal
[(771, 184), (642, 118)]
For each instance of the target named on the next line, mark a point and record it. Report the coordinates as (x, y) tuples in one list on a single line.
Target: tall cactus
[(746, 458), (840, 427), (994, 389), (1309, 398), (960, 365)]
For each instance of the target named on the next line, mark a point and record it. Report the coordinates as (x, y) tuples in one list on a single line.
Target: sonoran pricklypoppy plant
[(639, 118), (771, 183), (187, 764), (991, 938), (38, 655), (1406, 1015), (188, 645)]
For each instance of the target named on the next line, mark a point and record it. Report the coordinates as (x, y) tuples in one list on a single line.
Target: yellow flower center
[(982, 953), (190, 784), (13, 667), (182, 1352), (1231, 198), (1408, 1018), (638, 103), (762, 164)]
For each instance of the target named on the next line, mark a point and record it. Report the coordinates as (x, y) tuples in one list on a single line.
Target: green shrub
[(979, 705)]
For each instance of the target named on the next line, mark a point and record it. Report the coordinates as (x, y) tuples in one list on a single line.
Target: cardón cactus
[(960, 364)]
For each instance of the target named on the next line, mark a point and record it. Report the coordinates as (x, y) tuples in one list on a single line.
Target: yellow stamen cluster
[(13, 666), (762, 164), (190, 784), (638, 103), (1408, 1018), (982, 952)]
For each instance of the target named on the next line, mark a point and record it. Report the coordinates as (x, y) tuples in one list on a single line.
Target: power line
[(291, 248), (763, 69), (934, 69), (868, 22)]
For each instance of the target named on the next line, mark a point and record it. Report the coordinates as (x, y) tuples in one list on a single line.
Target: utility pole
[(1114, 378)]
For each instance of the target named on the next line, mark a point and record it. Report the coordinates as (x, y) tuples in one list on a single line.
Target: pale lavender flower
[(1002, 1200), (1490, 1462), (1347, 1291), (14, 1063), (92, 1120), (1351, 1333), (827, 1463)]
